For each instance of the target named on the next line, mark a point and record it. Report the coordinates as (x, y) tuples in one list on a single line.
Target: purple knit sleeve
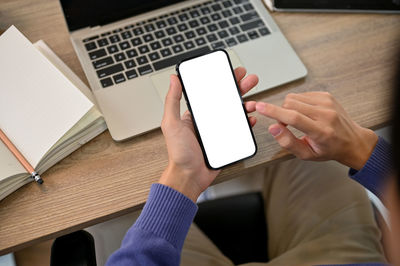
[(375, 172), (157, 236)]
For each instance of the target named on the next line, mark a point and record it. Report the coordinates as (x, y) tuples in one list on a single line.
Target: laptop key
[(234, 20), (200, 41), (126, 35), (238, 2), (117, 30), (103, 62), (227, 4), (109, 70), (177, 48), (193, 23), (161, 24), (171, 61), (201, 31), (205, 20), (183, 17), (166, 41), (131, 74), (251, 25), (226, 13), (124, 45), (145, 70), (129, 64), (172, 21), (159, 34), (216, 7), (178, 38), (182, 27), (264, 31), (248, 7), (212, 27), (194, 14), (234, 30), (131, 53), (218, 45), (253, 34), (106, 82), (237, 10), (223, 34), (137, 31), (119, 78), (171, 31), (114, 38), (155, 45), (242, 38), (105, 34), (149, 27), (154, 56), (136, 41), (144, 49), (166, 52), (119, 57), (188, 45), (190, 34), (142, 60), (249, 16), (112, 49), (148, 38), (91, 38), (205, 10), (231, 42), (223, 24), (102, 42), (97, 54), (215, 17), (212, 37)]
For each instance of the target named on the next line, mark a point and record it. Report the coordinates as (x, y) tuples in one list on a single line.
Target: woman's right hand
[(329, 132)]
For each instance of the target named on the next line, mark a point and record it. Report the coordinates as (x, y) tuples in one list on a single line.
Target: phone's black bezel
[(193, 117)]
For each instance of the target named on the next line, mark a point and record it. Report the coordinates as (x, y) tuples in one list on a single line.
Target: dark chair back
[(237, 226)]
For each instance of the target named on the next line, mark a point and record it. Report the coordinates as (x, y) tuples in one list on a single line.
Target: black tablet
[(338, 5)]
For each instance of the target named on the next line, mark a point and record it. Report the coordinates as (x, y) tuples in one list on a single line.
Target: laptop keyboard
[(160, 42)]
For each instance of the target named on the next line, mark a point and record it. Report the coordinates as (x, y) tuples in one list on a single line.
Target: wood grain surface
[(353, 56)]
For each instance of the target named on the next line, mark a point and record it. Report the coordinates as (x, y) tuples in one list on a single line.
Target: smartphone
[(219, 116)]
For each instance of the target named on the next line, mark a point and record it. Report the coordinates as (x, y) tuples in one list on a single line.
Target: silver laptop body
[(128, 62)]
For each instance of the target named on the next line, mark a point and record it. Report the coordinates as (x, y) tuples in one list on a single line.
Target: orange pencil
[(20, 158)]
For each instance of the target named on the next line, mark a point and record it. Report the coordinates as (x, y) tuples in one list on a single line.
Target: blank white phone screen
[(217, 109)]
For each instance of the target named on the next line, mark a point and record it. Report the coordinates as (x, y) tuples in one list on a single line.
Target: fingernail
[(275, 131), (260, 106)]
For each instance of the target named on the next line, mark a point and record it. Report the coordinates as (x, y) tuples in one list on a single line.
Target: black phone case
[(194, 119)]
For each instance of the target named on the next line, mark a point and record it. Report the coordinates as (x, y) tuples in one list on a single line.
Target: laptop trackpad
[(161, 80)]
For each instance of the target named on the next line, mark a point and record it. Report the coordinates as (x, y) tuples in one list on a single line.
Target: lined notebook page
[(38, 104)]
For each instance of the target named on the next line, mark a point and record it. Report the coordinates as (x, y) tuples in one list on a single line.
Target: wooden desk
[(352, 56)]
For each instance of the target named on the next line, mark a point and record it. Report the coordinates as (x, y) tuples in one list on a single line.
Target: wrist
[(181, 181), (361, 149)]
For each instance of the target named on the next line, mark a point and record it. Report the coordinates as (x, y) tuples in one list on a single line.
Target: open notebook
[(45, 109)]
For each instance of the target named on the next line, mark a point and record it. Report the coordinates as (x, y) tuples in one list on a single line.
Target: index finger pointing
[(288, 117)]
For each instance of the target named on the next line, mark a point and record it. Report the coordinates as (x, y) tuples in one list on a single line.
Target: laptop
[(129, 48)]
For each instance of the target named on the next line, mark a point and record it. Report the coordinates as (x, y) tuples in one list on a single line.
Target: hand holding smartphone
[(217, 109)]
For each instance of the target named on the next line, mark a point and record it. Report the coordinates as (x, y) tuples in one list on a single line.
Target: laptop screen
[(86, 13)]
